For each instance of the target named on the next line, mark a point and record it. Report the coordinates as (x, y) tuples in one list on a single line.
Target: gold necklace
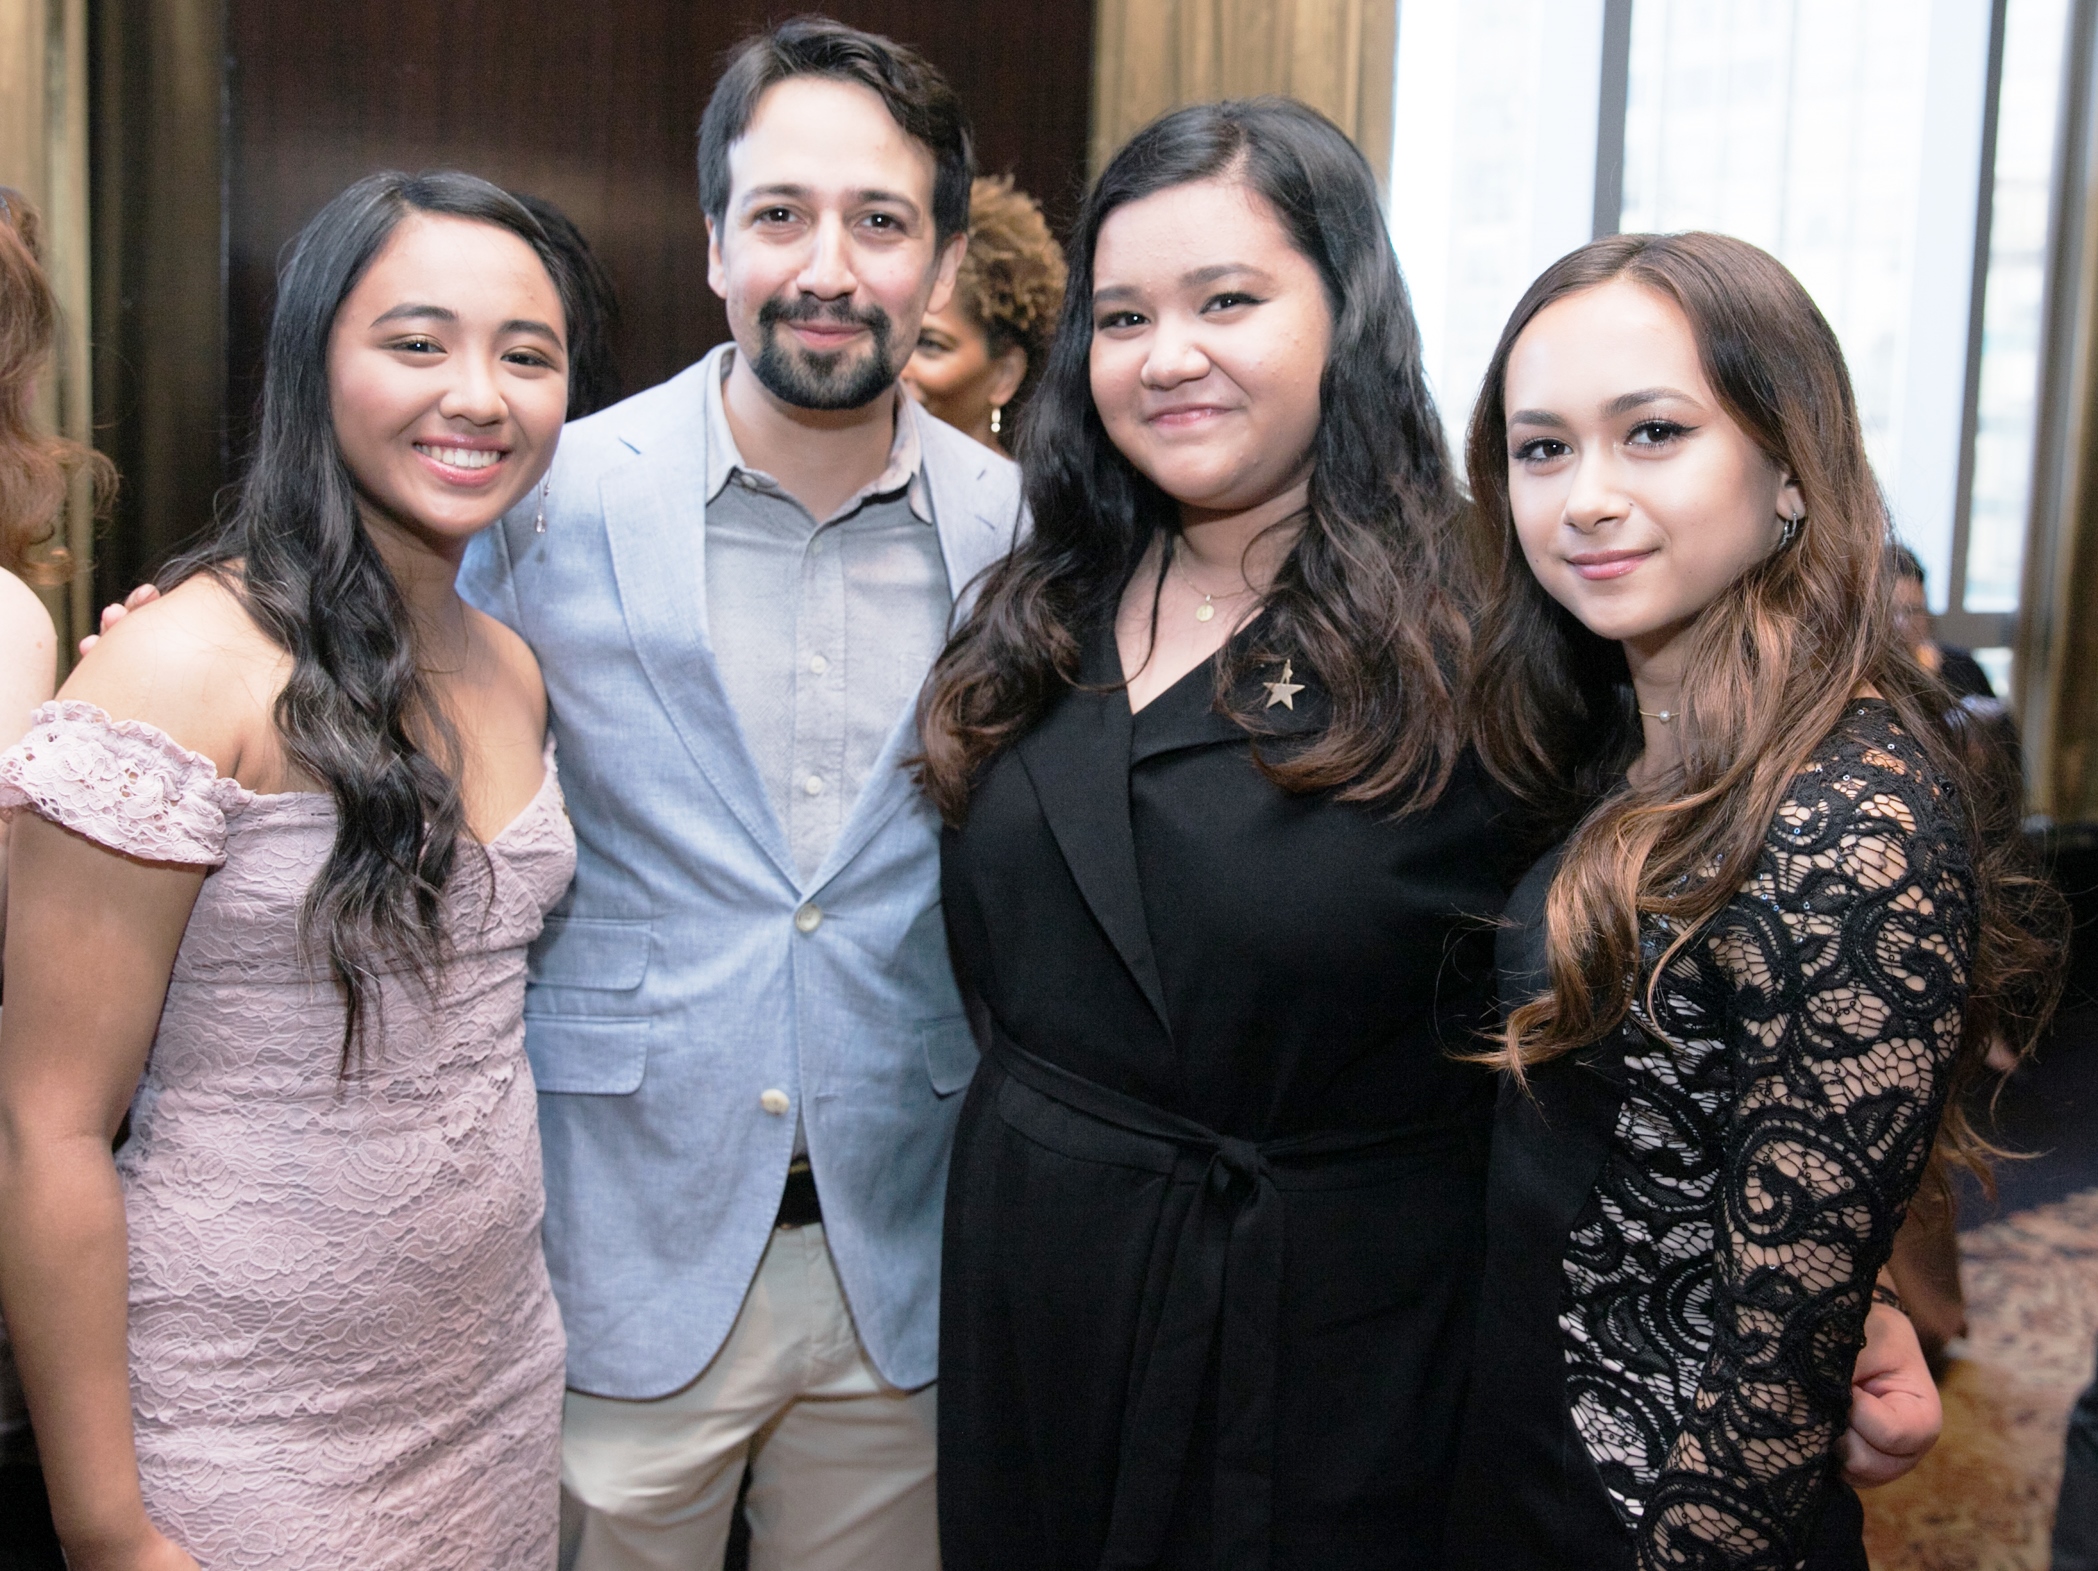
[(1207, 609), (1665, 716)]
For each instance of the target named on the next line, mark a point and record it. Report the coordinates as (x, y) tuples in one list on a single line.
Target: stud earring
[(539, 523), (997, 418)]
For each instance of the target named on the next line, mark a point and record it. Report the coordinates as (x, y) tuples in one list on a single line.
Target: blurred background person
[(1956, 668), (36, 470), (979, 358)]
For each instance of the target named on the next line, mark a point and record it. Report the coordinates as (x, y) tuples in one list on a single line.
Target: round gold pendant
[(1204, 611)]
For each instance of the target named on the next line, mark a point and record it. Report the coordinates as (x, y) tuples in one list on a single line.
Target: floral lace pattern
[(1781, 1107), (344, 1347), (120, 782)]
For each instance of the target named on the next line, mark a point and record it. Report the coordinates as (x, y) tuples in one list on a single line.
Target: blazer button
[(774, 1101), (809, 918)]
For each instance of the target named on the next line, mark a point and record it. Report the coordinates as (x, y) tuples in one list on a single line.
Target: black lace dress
[(1686, 1220)]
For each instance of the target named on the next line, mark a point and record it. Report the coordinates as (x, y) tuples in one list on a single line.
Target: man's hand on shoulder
[(144, 594)]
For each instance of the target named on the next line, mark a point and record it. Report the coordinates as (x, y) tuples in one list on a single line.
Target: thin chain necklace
[(1665, 716), (1207, 609)]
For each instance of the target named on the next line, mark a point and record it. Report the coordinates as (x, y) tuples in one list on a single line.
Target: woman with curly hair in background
[(979, 358), (36, 471)]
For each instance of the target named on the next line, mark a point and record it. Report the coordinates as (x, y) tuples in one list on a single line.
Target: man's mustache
[(775, 312)]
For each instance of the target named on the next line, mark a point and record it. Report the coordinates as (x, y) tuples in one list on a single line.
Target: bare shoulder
[(194, 664), (28, 639)]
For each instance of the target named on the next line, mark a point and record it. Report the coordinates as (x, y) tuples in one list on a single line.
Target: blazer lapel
[(654, 511), (958, 476), (1078, 760)]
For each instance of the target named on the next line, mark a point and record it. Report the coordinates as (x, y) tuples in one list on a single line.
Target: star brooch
[(1285, 691)]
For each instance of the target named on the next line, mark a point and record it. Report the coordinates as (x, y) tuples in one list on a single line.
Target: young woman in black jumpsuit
[(1746, 992), (1222, 882), (1214, 1217)]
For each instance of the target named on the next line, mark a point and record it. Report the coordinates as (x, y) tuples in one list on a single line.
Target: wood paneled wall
[(593, 106)]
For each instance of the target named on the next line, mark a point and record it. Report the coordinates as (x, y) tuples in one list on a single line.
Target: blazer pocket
[(605, 954), (587, 1057), (950, 1052)]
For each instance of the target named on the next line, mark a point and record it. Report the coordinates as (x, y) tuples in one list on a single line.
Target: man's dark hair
[(1906, 563), (916, 94)]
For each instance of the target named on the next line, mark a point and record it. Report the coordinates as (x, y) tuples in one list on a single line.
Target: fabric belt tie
[(1224, 1287)]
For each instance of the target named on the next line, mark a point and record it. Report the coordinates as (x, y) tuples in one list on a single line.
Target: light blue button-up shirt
[(822, 630)]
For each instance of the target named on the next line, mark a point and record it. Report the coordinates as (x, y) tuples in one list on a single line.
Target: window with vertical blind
[(1897, 155)]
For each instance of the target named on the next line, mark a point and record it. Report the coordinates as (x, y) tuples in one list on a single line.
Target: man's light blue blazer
[(673, 986)]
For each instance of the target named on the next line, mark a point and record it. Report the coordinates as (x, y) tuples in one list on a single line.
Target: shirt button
[(813, 785), (818, 664), (773, 1101), (809, 918)]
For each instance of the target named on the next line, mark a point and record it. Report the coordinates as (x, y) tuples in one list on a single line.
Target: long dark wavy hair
[(1773, 663), (1362, 599), (356, 712)]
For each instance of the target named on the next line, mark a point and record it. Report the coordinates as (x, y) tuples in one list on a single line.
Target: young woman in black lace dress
[(1745, 992)]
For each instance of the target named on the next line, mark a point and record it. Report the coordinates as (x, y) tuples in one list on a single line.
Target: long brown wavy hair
[(1363, 598), (1773, 663), (36, 468)]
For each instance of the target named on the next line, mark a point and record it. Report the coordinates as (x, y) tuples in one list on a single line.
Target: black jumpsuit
[(1214, 1217)]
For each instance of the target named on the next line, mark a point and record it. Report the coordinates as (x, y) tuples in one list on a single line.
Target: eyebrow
[(1622, 404), (411, 311), (435, 313), (757, 194), (1625, 403), (1195, 279)]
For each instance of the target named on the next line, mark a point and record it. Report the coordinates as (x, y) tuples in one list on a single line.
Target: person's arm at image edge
[(28, 673), (89, 953), (88, 960)]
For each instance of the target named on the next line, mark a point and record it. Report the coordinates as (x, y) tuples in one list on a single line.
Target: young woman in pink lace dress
[(278, 850)]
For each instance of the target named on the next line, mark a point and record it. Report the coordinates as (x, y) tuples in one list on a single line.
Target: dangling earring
[(1792, 529), (997, 418), (539, 523)]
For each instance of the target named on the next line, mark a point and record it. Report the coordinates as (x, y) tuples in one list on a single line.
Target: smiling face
[(827, 255), (1637, 498), (1210, 335), (447, 377)]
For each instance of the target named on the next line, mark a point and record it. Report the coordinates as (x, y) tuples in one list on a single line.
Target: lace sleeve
[(121, 783), (1845, 963)]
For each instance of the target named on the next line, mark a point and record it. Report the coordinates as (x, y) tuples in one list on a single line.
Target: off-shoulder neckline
[(236, 798)]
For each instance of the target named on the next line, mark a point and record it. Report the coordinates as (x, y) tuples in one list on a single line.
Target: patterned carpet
[(1984, 1498)]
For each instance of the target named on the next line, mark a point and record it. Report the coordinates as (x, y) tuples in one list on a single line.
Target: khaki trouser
[(841, 1464)]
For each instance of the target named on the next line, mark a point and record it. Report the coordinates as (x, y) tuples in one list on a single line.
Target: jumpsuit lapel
[(1078, 762)]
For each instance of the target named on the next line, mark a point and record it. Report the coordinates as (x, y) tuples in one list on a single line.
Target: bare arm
[(28, 671), (88, 956)]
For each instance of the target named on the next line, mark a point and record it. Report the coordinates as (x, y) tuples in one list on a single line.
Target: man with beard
[(747, 1040)]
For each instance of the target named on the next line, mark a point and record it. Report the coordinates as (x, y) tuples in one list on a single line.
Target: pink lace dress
[(344, 1349)]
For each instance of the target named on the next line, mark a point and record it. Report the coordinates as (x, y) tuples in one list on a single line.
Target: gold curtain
[(2057, 665), (1153, 55)]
